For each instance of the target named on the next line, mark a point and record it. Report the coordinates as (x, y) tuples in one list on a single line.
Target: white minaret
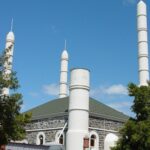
[(63, 74), (9, 48), (142, 43), (78, 122)]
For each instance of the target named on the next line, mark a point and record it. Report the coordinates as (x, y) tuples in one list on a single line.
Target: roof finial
[(65, 44), (11, 25)]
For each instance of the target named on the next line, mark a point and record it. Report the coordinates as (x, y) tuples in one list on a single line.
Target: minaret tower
[(63, 74), (9, 48), (78, 121), (142, 43)]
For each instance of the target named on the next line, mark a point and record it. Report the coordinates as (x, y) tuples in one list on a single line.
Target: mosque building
[(76, 120)]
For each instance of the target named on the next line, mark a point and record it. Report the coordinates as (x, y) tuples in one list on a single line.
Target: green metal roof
[(59, 107)]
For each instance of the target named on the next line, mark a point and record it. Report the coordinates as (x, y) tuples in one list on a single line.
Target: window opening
[(92, 141), (41, 139), (61, 139)]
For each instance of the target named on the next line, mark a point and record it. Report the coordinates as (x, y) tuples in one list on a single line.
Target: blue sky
[(101, 36)]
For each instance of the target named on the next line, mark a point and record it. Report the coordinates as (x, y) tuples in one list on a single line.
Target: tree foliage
[(12, 121), (135, 135)]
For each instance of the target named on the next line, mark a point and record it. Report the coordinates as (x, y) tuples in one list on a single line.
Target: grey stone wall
[(49, 136), (44, 124), (104, 124), (57, 122)]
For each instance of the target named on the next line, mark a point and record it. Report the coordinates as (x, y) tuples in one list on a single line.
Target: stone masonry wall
[(104, 124), (98, 125), (52, 123)]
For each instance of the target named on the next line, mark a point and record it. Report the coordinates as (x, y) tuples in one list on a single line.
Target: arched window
[(60, 138), (40, 139), (94, 140), (110, 141)]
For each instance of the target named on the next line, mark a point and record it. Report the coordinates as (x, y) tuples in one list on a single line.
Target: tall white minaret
[(142, 43), (9, 48), (63, 74), (78, 121)]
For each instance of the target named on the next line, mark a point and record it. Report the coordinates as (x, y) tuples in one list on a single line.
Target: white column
[(9, 48), (63, 75), (78, 122), (142, 43)]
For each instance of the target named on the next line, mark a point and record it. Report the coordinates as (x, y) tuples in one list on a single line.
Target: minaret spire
[(142, 43), (63, 73), (9, 48), (11, 29), (65, 44)]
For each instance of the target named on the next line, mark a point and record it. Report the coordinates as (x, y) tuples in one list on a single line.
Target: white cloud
[(120, 105), (96, 91), (116, 90), (123, 106), (115, 96), (112, 90), (51, 89)]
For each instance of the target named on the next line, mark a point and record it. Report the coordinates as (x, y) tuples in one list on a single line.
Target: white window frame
[(57, 135), (37, 138), (96, 146)]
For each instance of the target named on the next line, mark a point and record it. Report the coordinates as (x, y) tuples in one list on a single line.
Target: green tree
[(135, 135), (12, 121)]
